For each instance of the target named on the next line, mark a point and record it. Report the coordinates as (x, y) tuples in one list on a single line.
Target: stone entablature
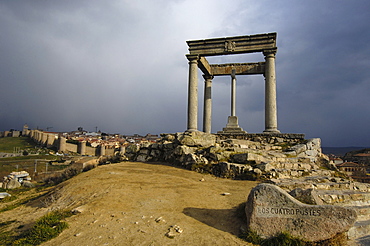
[(233, 45)]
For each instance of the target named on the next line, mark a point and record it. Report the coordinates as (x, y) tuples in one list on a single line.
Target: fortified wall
[(58, 142)]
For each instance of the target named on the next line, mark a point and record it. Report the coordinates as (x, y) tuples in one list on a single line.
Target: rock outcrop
[(265, 157), (16, 179), (270, 210)]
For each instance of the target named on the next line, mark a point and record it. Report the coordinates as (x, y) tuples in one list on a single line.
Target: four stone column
[(207, 109), (233, 93), (193, 94), (270, 93)]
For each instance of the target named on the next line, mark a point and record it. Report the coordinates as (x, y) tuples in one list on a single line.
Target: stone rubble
[(173, 231), (17, 179), (272, 157)]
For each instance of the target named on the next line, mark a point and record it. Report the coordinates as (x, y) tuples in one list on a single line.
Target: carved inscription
[(230, 45), (287, 212)]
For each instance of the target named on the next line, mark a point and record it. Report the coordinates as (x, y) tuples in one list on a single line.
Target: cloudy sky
[(120, 65)]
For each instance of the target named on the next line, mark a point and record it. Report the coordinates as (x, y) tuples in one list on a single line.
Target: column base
[(232, 126), (191, 130), (271, 131)]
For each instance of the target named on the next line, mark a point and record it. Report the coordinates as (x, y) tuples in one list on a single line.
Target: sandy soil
[(120, 204)]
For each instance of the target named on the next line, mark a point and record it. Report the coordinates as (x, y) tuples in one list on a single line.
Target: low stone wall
[(274, 157)]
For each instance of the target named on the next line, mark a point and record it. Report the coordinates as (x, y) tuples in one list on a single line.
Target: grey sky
[(120, 65)]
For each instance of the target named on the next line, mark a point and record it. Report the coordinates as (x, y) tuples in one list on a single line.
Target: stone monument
[(199, 49)]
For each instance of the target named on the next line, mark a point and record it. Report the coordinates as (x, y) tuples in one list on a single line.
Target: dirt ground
[(134, 203)]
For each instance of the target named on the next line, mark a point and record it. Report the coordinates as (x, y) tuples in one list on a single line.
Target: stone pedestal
[(232, 126)]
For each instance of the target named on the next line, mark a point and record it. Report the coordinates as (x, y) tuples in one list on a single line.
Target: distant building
[(335, 160), (352, 169), (93, 134)]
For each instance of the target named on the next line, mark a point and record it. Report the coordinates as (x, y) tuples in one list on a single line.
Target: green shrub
[(251, 236), (60, 177), (283, 239), (45, 228)]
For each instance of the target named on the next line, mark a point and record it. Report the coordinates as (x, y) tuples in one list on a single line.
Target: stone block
[(142, 158), (249, 157), (132, 148), (290, 153), (270, 210), (308, 196), (314, 143), (184, 150), (299, 148), (197, 139), (312, 153), (4, 194), (265, 167), (12, 184)]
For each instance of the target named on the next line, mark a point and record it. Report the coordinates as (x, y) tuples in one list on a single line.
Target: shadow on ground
[(227, 220), (363, 240)]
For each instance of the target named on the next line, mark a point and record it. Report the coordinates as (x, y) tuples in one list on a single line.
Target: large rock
[(4, 194), (270, 210), (197, 139), (12, 184)]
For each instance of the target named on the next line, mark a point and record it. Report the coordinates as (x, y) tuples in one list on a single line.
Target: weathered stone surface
[(249, 157), (271, 210), (4, 194), (28, 184), (265, 167), (198, 139), (231, 170), (132, 148), (184, 150), (142, 158), (308, 196), (12, 184)]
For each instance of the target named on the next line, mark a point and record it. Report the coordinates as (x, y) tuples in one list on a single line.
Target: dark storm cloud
[(120, 65)]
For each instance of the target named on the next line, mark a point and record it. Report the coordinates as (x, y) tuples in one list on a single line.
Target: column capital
[(270, 53), (192, 58), (207, 77)]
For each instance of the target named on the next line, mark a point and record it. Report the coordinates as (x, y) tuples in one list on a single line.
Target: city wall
[(53, 140)]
